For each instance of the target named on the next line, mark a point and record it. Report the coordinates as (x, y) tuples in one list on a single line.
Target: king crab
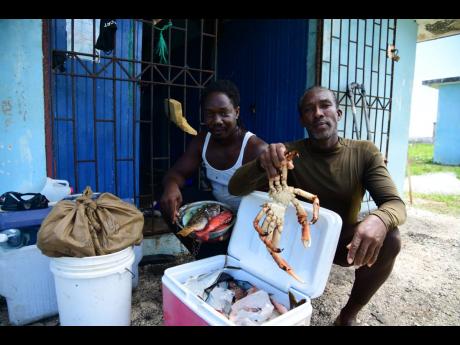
[(272, 226)]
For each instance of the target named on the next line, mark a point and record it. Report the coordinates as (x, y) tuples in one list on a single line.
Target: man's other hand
[(365, 246)]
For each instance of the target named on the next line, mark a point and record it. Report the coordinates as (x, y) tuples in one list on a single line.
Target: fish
[(293, 303), (199, 284), (200, 219), (280, 308), (214, 224)]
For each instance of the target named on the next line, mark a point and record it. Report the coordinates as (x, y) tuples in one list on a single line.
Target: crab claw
[(302, 219), (285, 266), (306, 234)]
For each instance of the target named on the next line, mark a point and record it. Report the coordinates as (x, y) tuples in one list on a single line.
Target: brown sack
[(89, 227)]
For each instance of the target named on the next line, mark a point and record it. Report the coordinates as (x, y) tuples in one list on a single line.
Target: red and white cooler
[(246, 251)]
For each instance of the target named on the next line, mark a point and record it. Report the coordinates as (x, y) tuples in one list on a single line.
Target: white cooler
[(246, 251)]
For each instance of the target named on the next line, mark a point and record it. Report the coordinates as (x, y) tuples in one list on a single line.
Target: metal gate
[(359, 51), (356, 50), (106, 114)]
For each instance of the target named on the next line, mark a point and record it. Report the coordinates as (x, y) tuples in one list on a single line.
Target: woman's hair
[(223, 86)]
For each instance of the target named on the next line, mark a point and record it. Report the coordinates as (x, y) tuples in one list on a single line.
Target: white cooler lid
[(312, 264)]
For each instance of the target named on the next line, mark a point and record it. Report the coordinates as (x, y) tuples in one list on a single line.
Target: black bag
[(13, 201)]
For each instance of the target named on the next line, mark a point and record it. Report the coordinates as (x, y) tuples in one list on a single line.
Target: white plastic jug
[(55, 190)]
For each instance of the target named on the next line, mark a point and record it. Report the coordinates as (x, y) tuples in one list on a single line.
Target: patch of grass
[(421, 161), (438, 203)]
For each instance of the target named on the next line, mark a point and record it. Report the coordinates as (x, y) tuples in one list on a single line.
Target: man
[(339, 171)]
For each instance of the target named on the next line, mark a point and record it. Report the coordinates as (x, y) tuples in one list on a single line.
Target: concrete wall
[(406, 39), (22, 126), (446, 143)]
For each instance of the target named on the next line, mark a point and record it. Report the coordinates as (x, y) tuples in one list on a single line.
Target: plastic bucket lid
[(92, 266)]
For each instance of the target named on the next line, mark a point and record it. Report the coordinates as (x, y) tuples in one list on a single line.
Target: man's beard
[(320, 135)]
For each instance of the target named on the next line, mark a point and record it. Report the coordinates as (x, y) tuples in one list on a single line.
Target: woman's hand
[(170, 202)]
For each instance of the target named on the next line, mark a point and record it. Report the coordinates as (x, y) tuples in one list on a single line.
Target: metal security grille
[(107, 118), (356, 51)]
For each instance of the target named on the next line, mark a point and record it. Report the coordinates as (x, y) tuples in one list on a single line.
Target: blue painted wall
[(446, 145), (22, 119), (267, 59), (406, 40)]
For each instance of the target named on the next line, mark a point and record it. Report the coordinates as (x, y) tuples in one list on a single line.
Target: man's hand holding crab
[(276, 161)]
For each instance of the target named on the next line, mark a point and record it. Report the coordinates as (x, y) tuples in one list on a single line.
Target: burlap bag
[(87, 227)]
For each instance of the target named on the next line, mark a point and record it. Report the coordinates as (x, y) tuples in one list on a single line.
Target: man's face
[(220, 115), (319, 114)]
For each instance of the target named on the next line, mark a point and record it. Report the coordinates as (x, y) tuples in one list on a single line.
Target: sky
[(434, 59)]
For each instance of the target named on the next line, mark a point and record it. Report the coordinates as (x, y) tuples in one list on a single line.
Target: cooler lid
[(312, 264)]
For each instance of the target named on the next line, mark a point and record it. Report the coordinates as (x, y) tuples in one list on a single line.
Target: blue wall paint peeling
[(22, 126)]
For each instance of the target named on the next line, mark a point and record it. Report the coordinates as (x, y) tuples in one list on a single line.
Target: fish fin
[(186, 231)]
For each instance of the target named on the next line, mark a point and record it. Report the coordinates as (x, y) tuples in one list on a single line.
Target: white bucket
[(94, 290)]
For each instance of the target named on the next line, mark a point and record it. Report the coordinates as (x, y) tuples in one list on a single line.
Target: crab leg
[(314, 200), (302, 218), (277, 233), (275, 182), (285, 266), (289, 156), (284, 175), (269, 245), (263, 232), (259, 216)]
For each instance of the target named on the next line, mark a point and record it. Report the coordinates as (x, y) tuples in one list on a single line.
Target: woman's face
[(220, 115)]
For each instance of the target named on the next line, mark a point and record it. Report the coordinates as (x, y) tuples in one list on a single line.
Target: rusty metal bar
[(114, 95), (152, 127), (49, 121), (113, 59), (134, 86), (95, 109), (75, 151)]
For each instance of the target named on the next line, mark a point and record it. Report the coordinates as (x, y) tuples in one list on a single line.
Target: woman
[(222, 149)]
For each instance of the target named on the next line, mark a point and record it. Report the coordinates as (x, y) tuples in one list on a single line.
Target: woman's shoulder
[(254, 148), (255, 141), (198, 140)]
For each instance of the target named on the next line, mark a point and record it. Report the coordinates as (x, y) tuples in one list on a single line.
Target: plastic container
[(27, 285), (55, 190), (11, 238), (249, 254), (94, 290)]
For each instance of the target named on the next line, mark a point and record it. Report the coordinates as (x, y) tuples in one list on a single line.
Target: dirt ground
[(423, 289)]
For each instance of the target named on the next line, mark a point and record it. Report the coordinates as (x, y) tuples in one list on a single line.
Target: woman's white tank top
[(219, 178)]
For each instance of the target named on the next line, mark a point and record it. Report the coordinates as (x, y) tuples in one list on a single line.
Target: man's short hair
[(224, 86), (316, 87)]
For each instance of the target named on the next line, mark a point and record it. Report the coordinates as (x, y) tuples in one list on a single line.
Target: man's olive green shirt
[(339, 177)]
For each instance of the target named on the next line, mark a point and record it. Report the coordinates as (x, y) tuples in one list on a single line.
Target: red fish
[(216, 223)]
